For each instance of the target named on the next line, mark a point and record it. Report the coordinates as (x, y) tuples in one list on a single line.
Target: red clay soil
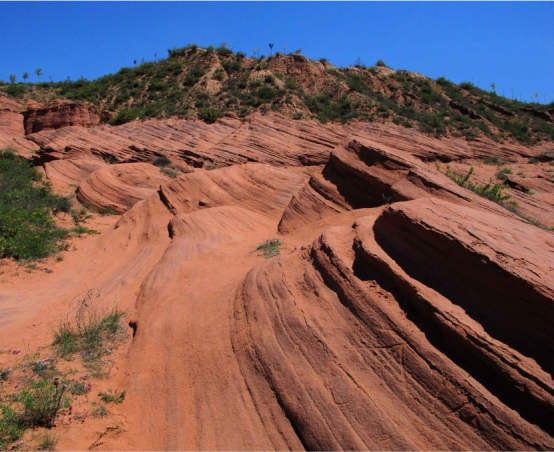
[(403, 312)]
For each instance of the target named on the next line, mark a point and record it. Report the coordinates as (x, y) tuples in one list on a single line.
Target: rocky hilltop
[(209, 83), (287, 282)]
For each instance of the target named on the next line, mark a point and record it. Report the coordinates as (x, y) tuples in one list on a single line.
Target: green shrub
[(161, 161), (126, 115), (355, 83), (232, 66), (380, 63), (16, 90), (270, 248), (503, 173), (329, 110), (194, 74), (492, 160), (218, 75), (37, 405), (491, 191), (112, 396), (291, 84), (210, 115), (267, 93), (41, 403), (27, 229), (224, 51), (11, 427)]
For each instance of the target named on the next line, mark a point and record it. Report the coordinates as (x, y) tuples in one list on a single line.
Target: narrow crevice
[(133, 326), (166, 202)]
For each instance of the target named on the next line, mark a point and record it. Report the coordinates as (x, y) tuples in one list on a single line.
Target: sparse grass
[(44, 391), (270, 248), (169, 172), (92, 334), (90, 337), (79, 230), (112, 396), (99, 410), (503, 173), (47, 441), (491, 191), (45, 368), (78, 388)]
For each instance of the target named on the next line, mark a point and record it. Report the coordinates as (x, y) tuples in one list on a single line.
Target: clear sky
[(508, 43)]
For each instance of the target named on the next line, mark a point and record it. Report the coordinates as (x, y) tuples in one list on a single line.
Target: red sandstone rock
[(12, 134), (116, 188), (402, 313), (58, 114)]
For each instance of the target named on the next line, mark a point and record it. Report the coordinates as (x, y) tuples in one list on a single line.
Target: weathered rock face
[(403, 312), (60, 114), (116, 188), (364, 174), (12, 134), (384, 361), (65, 174)]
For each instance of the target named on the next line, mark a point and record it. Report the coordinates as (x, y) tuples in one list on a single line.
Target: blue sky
[(508, 43)]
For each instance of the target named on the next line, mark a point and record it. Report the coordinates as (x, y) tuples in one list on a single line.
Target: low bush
[(126, 115), (11, 427), (112, 396), (270, 248), (493, 192), (291, 83), (503, 173), (194, 74), (27, 228), (37, 405), (223, 51), (210, 115), (232, 66), (161, 161), (41, 403)]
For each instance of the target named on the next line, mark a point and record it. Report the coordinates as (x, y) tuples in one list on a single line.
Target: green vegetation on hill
[(206, 83), (27, 228)]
